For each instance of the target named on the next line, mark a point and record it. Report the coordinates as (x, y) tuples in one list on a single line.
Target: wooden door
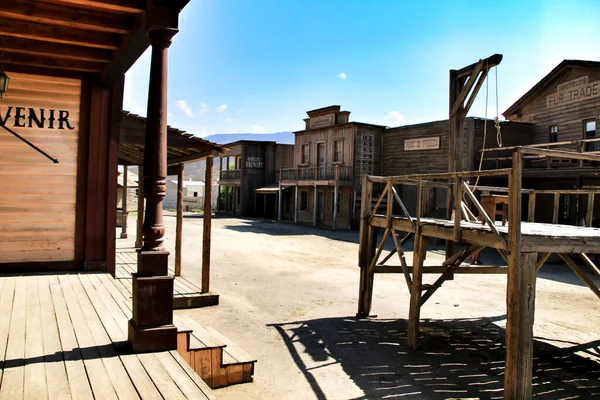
[(321, 154), (320, 206)]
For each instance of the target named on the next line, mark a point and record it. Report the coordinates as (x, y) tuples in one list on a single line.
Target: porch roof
[(182, 147), (66, 37)]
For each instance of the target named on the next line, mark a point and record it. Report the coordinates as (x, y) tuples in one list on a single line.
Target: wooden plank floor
[(64, 336), (186, 294), (535, 236)]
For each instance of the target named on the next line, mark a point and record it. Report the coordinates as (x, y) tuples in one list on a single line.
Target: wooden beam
[(52, 62), (364, 249), (124, 7), (482, 212), (542, 261), (192, 157), (590, 209), (531, 208), (397, 179), (566, 155), (590, 264), (179, 222), (207, 225), (580, 273), (68, 17), (124, 199), (415, 293), (53, 34), (397, 269), (54, 50), (556, 208)]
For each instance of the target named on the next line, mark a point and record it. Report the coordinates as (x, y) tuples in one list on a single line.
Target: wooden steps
[(217, 360)]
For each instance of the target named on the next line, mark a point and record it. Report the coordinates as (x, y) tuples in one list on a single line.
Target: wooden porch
[(65, 336)]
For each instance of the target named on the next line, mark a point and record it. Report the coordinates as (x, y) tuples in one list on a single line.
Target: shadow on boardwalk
[(458, 359)]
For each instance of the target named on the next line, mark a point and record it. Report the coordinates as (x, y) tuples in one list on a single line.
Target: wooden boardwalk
[(64, 336), (186, 294)]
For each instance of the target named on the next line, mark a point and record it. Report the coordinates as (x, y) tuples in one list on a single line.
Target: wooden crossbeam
[(110, 6), (483, 214), (400, 252), (379, 200), (403, 241), (580, 273), (378, 252), (542, 261), (58, 50), (463, 270), (468, 85), (402, 206), (591, 265)]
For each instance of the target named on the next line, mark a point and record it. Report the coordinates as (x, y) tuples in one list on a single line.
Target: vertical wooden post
[(264, 205), (140, 208), (151, 328), (336, 191), (125, 189), (414, 313), (218, 197), (206, 226), (449, 206), (279, 202), (590, 210), (296, 203), (179, 225), (520, 297), (315, 208), (458, 190), (365, 253), (531, 208), (556, 208)]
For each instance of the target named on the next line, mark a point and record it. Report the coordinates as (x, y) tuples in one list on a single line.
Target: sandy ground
[(289, 296)]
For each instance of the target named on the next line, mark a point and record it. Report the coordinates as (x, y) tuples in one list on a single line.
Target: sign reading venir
[(22, 117), (573, 91), (428, 143), (254, 162), (322, 120)]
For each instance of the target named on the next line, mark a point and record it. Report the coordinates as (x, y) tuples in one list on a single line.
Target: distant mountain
[(279, 137)]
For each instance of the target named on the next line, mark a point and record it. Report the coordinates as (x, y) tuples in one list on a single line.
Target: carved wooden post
[(124, 219), (151, 328)]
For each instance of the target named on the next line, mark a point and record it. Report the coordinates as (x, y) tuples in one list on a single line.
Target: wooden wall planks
[(37, 202)]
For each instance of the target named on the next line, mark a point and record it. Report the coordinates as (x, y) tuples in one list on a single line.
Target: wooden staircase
[(217, 360)]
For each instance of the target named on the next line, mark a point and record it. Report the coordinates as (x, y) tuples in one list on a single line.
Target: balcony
[(231, 175), (330, 173)]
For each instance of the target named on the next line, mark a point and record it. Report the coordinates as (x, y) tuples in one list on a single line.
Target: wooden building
[(330, 157), (249, 176), (562, 110)]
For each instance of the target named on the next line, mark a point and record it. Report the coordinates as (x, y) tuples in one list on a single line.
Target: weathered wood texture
[(568, 116), (65, 341), (37, 202)]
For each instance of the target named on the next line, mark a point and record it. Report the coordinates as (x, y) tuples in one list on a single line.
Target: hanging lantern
[(3, 82)]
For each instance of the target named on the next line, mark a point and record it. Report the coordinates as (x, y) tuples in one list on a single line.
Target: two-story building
[(249, 173), (330, 157)]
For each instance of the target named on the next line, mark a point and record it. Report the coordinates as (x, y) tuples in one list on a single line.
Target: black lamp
[(4, 79)]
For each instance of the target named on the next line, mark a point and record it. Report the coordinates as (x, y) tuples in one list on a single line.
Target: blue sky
[(240, 66)]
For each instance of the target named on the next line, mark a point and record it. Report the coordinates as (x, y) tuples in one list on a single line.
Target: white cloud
[(258, 129), (393, 118), (343, 75), (221, 108), (203, 108), (183, 106), (229, 119)]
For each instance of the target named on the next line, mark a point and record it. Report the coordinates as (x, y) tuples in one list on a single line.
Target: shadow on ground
[(459, 359)]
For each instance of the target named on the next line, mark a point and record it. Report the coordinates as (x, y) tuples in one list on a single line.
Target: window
[(339, 204), (306, 153), (554, 134), (338, 146), (589, 132), (238, 162), (304, 200), (195, 194)]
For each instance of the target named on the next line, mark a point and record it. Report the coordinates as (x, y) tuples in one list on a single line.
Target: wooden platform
[(64, 336), (535, 236), (186, 294)]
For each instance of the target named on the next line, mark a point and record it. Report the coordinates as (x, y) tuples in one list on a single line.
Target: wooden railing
[(498, 156), (231, 174), (329, 173)]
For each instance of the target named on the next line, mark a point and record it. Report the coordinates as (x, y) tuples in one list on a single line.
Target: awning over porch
[(268, 189), (182, 147)]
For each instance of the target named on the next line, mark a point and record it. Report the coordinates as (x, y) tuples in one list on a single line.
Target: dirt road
[(289, 296)]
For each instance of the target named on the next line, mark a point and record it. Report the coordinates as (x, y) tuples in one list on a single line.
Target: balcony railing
[(331, 173), (501, 156), (231, 174)]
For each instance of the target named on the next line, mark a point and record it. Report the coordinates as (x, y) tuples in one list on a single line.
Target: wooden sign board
[(573, 91), (322, 121), (37, 200), (425, 143)]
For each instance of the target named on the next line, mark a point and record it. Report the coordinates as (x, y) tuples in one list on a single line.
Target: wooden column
[(555, 210), (124, 208), (279, 201), (365, 250), (206, 226), (296, 203), (336, 190), (140, 209), (151, 328), (218, 198), (179, 226), (315, 208), (419, 254), (520, 297)]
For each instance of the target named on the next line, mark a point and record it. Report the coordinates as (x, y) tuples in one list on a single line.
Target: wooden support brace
[(400, 252), (483, 214), (580, 273), (402, 206), (591, 265), (542, 261)]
